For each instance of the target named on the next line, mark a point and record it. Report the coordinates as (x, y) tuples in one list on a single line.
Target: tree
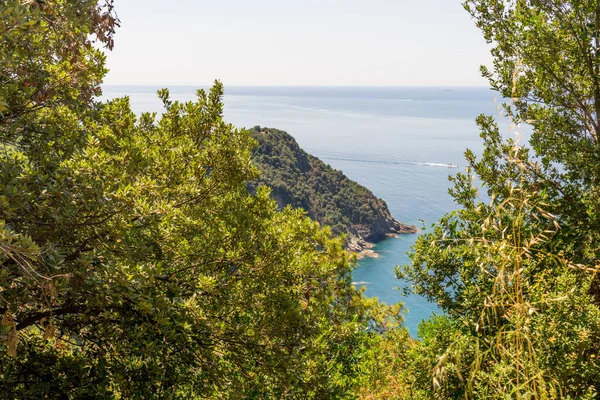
[(133, 261), (519, 275)]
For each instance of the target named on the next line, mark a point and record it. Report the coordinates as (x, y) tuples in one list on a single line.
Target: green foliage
[(134, 263), (327, 195), (518, 277), (437, 335), (384, 365), (48, 58)]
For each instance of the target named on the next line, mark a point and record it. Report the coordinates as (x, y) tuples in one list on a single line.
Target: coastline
[(364, 248)]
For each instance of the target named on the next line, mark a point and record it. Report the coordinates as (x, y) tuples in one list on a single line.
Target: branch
[(36, 317)]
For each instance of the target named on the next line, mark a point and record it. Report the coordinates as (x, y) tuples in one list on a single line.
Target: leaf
[(50, 330), (13, 339)]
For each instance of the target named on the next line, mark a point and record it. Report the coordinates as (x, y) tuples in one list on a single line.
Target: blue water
[(379, 137)]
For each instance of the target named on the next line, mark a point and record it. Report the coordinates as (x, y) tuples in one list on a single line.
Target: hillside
[(327, 195)]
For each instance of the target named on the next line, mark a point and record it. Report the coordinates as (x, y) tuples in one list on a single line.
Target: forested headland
[(301, 180), (135, 263)]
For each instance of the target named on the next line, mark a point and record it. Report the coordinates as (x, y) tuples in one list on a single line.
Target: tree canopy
[(518, 276), (133, 261)]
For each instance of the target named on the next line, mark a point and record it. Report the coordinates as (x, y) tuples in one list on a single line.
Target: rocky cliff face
[(327, 195)]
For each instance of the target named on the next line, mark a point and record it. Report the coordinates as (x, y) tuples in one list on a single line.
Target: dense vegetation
[(133, 261), (519, 276), (327, 195)]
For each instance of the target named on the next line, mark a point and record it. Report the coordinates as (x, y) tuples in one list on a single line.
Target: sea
[(400, 142)]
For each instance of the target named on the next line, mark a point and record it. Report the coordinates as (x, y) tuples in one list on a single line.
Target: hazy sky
[(297, 42)]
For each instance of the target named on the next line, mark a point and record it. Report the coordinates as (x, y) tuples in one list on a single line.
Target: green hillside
[(327, 195)]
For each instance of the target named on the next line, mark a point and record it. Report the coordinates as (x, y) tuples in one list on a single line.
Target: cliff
[(327, 195)]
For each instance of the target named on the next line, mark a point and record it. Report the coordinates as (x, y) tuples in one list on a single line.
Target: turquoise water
[(383, 138)]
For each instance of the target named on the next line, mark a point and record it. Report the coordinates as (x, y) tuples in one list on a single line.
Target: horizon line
[(296, 86)]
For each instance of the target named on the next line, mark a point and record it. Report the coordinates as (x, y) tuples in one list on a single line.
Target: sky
[(296, 43)]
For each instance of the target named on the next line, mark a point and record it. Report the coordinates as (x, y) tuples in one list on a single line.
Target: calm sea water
[(384, 138)]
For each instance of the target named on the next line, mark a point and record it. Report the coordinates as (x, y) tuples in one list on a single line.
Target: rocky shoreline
[(363, 247)]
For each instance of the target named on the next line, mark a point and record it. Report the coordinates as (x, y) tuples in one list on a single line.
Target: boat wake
[(430, 164), (425, 164)]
